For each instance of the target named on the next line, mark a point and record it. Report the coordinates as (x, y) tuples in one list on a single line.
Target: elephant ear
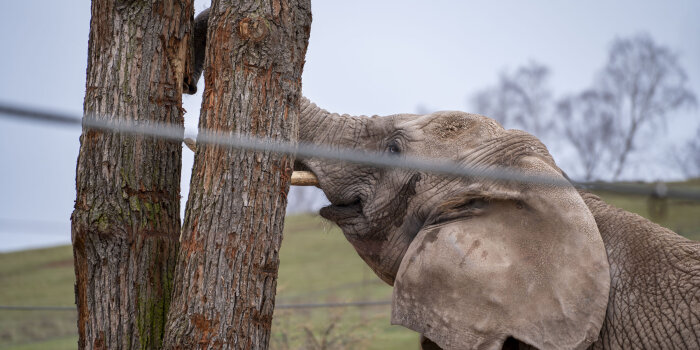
[(527, 263)]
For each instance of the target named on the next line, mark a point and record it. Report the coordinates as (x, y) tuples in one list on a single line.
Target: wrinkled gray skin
[(653, 299)]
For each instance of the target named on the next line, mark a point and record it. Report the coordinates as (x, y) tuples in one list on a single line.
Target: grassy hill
[(317, 266)]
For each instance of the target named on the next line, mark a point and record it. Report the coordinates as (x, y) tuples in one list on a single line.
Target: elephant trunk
[(318, 126)]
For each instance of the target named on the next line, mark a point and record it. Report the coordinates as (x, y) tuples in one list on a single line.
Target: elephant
[(479, 263)]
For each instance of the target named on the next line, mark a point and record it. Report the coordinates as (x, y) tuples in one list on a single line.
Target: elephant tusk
[(299, 178), (304, 178), (190, 144)]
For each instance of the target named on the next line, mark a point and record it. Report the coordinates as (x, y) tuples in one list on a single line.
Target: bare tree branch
[(688, 156), (519, 100), (646, 82), (588, 121)]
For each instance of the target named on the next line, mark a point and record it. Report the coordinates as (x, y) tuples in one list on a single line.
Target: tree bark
[(126, 221), (226, 274)]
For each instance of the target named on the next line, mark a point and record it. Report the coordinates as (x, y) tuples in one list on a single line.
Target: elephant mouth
[(342, 213)]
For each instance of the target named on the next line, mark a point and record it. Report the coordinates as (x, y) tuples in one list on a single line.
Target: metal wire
[(37, 308), (442, 167), (380, 160), (343, 286), (281, 306), (331, 305), (33, 226)]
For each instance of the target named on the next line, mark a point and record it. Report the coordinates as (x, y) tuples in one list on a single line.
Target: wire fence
[(443, 167), (280, 306), (33, 226)]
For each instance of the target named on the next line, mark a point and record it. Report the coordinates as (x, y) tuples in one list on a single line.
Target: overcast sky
[(364, 57)]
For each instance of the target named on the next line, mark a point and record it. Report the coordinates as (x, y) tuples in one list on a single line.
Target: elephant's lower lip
[(339, 212)]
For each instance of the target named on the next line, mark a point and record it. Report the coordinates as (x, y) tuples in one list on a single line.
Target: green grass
[(37, 277), (317, 265), (69, 342)]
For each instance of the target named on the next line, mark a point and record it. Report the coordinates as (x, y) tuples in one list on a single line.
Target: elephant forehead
[(449, 124), (446, 134)]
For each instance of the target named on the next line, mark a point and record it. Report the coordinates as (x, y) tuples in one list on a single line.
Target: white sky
[(364, 57)]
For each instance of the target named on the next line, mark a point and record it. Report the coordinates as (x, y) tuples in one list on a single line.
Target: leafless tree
[(646, 83), (588, 121), (688, 156), (519, 100)]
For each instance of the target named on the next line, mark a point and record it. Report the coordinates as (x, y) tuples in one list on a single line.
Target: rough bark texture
[(226, 274), (126, 222)]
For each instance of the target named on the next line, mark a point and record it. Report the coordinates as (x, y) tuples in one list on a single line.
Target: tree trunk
[(226, 274), (126, 222)]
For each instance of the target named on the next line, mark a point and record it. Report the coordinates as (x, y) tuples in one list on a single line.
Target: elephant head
[(473, 261)]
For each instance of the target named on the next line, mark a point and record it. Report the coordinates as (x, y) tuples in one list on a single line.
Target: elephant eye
[(393, 147)]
